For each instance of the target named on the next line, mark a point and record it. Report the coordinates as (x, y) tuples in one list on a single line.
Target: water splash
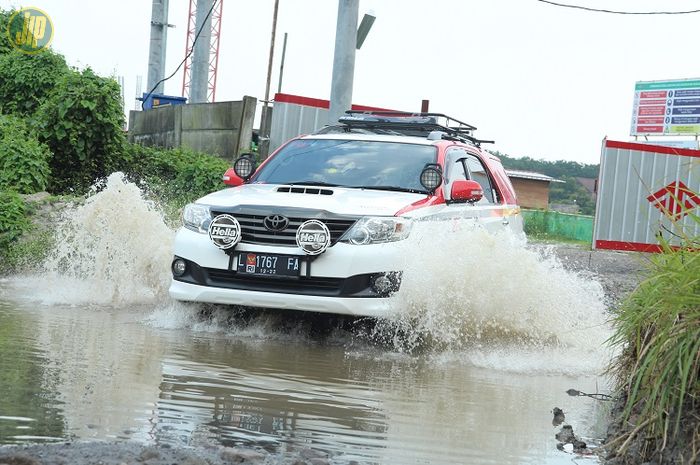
[(115, 248), (492, 301), (487, 300)]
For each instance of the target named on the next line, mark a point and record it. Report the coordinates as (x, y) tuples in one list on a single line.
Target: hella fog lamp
[(431, 177), (313, 237), (225, 231)]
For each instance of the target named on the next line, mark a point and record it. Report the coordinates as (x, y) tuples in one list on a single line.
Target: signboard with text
[(666, 108)]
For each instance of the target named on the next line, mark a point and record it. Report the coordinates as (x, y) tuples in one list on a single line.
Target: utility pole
[(157, 47), (284, 52), (265, 117), (200, 56), (344, 58)]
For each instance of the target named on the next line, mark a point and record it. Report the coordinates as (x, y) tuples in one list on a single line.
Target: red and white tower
[(202, 63)]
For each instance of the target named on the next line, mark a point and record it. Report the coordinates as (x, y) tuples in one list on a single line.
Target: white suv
[(322, 224)]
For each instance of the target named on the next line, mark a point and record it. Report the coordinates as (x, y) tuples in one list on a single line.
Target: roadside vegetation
[(61, 131), (657, 373)]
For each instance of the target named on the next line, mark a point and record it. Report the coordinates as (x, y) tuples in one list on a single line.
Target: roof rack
[(412, 124)]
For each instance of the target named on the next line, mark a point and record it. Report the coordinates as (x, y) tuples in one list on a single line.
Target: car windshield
[(349, 163)]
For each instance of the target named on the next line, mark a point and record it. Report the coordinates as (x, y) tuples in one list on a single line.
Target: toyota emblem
[(276, 223)]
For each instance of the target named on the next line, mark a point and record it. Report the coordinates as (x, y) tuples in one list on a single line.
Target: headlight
[(196, 217), (376, 230)]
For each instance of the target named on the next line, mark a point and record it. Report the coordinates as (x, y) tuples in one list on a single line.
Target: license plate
[(268, 264)]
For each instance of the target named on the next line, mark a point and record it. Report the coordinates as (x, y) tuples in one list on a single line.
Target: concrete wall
[(223, 128), (531, 193)]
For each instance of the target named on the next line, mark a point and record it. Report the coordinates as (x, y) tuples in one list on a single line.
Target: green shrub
[(175, 175), (81, 122), (27, 80), (24, 161), (26, 254), (13, 221), (535, 223), (5, 46)]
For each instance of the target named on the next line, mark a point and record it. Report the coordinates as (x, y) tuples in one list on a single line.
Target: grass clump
[(658, 329), (13, 220)]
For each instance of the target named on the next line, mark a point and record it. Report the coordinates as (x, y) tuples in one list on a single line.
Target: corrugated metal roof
[(530, 175)]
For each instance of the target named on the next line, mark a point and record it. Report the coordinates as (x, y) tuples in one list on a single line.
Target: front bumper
[(377, 308), (338, 281)]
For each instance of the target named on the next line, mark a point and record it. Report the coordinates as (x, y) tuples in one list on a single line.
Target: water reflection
[(90, 372), (29, 409)]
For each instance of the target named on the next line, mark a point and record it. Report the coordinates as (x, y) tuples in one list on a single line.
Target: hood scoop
[(305, 190)]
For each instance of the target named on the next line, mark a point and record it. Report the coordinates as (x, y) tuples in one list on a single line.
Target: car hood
[(343, 201)]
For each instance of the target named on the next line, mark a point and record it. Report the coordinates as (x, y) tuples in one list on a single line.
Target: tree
[(81, 122), (27, 80), (5, 46), (24, 162)]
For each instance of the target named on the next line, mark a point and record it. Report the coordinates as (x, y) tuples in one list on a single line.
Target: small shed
[(531, 188)]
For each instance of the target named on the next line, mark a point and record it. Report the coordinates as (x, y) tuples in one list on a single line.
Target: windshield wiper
[(311, 183), (391, 188)]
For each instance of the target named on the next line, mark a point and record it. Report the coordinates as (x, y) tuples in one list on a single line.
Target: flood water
[(91, 348)]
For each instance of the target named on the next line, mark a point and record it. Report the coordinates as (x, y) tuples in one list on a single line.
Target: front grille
[(253, 231)]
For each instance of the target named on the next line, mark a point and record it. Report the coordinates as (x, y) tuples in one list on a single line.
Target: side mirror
[(466, 191), (230, 178)]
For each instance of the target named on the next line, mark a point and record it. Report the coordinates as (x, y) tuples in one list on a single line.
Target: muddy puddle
[(91, 348)]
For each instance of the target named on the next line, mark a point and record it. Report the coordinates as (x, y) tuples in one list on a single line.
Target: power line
[(602, 10), (194, 42)]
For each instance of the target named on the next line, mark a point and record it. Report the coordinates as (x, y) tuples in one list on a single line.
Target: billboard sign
[(666, 108)]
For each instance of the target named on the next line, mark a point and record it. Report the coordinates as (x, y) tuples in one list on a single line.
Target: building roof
[(530, 175)]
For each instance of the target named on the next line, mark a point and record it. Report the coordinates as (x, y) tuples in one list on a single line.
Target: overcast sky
[(543, 81)]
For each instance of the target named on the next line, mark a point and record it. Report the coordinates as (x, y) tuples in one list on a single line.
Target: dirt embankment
[(618, 272), (626, 443)]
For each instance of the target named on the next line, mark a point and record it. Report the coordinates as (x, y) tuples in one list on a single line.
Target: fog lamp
[(244, 167), (179, 267), (386, 283), (431, 177)]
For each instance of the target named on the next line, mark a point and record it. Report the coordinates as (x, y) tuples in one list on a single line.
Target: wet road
[(175, 376)]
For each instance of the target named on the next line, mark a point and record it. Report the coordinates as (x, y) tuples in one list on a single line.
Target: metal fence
[(294, 115), (646, 192), (558, 225)]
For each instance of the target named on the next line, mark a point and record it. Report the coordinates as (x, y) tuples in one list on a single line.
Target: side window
[(456, 168), (478, 173)]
